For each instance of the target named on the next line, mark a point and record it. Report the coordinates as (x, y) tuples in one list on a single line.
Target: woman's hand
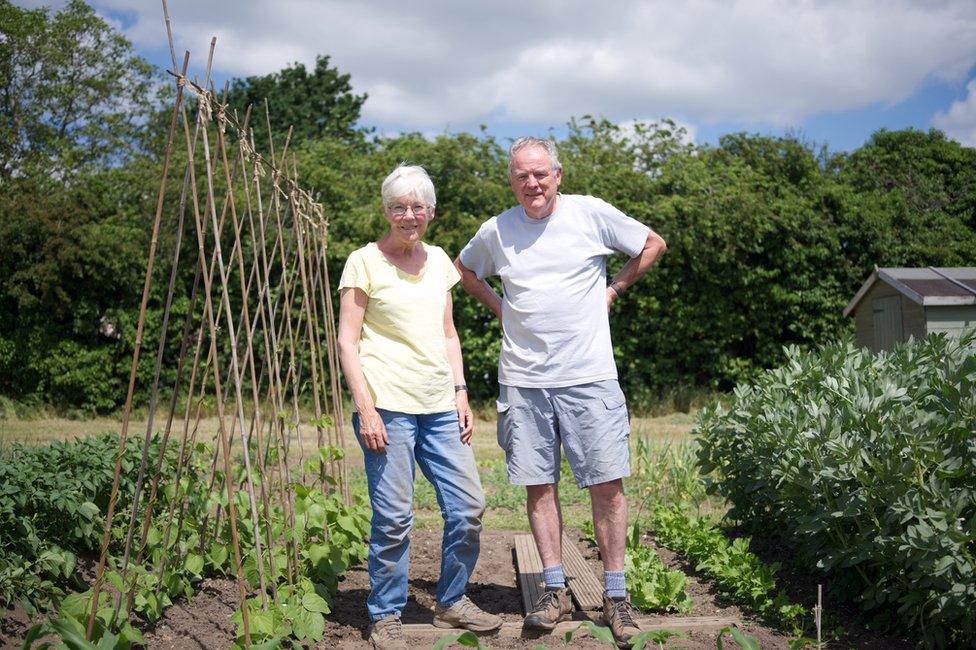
[(465, 416), (372, 430)]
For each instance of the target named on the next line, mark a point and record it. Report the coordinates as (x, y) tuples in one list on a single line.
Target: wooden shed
[(894, 304)]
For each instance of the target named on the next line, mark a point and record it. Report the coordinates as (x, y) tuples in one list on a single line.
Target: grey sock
[(555, 578), (614, 584)]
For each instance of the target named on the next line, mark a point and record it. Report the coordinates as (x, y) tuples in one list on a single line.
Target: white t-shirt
[(553, 272)]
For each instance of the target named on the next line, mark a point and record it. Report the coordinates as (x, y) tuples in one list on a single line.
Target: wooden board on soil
[(583, 583), (514, 629)]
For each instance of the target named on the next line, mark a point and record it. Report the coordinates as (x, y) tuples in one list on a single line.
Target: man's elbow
[(656, 244), (468, 277)]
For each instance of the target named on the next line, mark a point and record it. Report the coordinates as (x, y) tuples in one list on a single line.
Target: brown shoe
[(387, 634), (552, 607), (466, 615), (619, 615)]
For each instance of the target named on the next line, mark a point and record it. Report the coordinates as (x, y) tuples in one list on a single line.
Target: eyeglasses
[(418, 210)]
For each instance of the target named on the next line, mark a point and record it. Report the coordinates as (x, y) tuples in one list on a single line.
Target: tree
[(72, 260), (72, 91), (314, 105), (912, 202)]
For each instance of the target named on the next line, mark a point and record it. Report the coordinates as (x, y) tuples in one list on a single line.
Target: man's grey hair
[(408, 180), (529, 141)]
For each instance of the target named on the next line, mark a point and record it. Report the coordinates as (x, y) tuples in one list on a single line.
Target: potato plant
[(52, 505)]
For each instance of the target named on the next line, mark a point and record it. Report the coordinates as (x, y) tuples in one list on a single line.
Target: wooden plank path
[(513, 629), (528, 569), (587, 593), (587, 590), (584, 586)]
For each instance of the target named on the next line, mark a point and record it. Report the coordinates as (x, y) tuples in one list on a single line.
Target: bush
[(866, 463)]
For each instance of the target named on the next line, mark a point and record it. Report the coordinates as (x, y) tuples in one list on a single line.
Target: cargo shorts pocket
[(614, 401), (503, 434), (618, 418)]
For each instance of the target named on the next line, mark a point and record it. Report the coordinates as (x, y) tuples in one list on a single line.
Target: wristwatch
[(460, 387)]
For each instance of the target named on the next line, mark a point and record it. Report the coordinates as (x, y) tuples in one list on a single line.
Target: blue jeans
[(434, 441)]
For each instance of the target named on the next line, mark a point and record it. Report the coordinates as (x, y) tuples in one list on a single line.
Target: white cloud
[(441, 62), (959, 121), (688, 131)]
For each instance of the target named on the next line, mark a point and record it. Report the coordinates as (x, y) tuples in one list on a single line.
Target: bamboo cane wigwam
[(258, 346)]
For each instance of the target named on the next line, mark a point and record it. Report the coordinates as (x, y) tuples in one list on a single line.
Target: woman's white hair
[(408, 180), (529, 141)]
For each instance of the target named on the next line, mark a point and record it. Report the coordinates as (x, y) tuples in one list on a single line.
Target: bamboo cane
[(100, 569)]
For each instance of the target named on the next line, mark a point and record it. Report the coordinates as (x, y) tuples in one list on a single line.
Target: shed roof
[(925, 286)]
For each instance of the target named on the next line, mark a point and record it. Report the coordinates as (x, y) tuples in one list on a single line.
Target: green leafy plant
[(52, 504), (745, 641), (598, 632), (657, 637), (651, 585), (737, 572), (466, 639), (864, 463)]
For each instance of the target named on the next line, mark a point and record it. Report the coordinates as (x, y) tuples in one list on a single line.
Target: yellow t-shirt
[(402, 346)]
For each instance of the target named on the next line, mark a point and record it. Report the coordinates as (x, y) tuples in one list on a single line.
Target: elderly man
[(557, 376)]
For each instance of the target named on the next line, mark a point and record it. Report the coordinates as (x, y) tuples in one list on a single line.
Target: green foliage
[(53, 501), (666, 473), (737, 572), (865, 463), (77, 181), (745, 641), (599, 632), (71, 624), (652, 586), (313, 105), (74, 91), (657, 637), (330, 537), (638, 642)]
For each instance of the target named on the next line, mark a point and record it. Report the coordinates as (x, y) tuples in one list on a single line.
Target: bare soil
[(203, 622)]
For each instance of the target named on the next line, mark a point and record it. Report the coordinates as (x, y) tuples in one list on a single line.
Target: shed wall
[(912, 317), (950, 319)]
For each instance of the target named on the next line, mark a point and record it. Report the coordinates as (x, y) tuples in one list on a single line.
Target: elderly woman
[(402, 361)]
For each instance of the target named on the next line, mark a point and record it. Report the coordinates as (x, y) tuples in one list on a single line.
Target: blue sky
[(833, 71)]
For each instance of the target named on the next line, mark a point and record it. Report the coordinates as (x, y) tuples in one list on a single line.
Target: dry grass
[(662, 431), (675, 427)]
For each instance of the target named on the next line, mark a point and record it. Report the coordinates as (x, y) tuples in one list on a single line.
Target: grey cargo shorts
[(589, 421)]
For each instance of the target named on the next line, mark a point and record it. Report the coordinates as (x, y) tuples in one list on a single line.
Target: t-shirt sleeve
[(476, 255), (451, 275), (355, 274), (618, 231)]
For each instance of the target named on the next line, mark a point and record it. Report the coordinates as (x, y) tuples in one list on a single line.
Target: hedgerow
[(867, 465)]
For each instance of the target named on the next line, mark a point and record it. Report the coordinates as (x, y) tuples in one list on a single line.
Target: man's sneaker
[(387, 634), (552, 607), (618, 614), (467, 615)]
